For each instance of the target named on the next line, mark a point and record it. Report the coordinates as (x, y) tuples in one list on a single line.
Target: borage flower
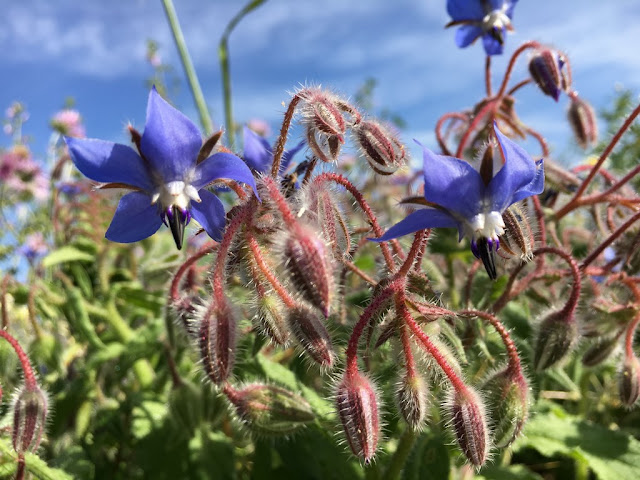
[(459, 196), (489, 19), (167, 174), (258, 154)]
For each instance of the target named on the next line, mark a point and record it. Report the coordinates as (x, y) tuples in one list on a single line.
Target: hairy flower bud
[(550, 70), (357, 405), (412, 398), (508, 398), (184, 310), (382, 149), (600, 351), (217, 341), (29, 418), (518, 239), (271, 410), (322, 112), (271, 319), (582, 119), (312, 335), (556, 338), (629, 386), (310, 267), (469, 422)]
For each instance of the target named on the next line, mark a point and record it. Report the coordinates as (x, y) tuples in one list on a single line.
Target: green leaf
[(34, 464), (66, 254), (429, 459), (611, 454), (511, 472)]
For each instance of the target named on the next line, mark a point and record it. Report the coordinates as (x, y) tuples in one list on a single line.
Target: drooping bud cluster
[(357, 405), (271, 410), (557, 335), (469, 421), (550, 70), (381, 147), (582, 119)]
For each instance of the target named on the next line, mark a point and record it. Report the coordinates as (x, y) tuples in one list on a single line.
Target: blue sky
[(94, 51)]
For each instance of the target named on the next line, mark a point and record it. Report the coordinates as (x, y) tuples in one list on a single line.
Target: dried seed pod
[(309, 265), (507, 395), (382, 149), (412, 398), (30, 406), (312, 335), (357, 405), (582, 119), (550, 70), (469, 422), (271, 410), (217, 341), (629, 386), (556, 338)]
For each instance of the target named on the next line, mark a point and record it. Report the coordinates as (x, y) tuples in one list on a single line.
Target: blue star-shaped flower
[(458, 196), (167, 179), (258, 154), (489, 19)]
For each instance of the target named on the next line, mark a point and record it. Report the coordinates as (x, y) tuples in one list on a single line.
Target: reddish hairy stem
[(413, 254), (278, 150), (29, 377), (512, 62), (490, 105), (410, 362), (439, 137), (630, 333), (281, 202), (614, 141), (487, 75), (174, 295), (593, 255)]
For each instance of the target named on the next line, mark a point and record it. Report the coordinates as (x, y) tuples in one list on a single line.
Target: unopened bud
[(550, 70), (357, 405), (184, 310), (599, 351), (310, 267), (382, 149), (557, 336), (518, 239), (29, 418), (271, 319), (312, 335), (271, 410), (218, 342), (322, 112), (470, 425), (583, 121), (413, 400), (629, 386), (508, 398)]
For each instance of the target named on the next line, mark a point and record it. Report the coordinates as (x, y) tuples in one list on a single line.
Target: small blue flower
[(457, 196), (258, 154), (168, 182), (489, 19)]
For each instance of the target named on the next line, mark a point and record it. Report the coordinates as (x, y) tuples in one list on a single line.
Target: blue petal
[(465, 9), (510, 6), (223, 165), (419, 220), (209, 213), (170, 141), (288, 155), (452, 183), (109, 162), (467, 34), (535, 187), (136, 218), (491, 45), (517, 179), (257, 151)]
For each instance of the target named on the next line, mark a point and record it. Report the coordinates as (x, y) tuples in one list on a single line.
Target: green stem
[(225, 70), (399, 458), (192, 77)]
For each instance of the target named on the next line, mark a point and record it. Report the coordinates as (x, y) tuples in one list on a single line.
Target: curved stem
[(440, 137), (29, 377), (593, 255), (413, 254), (174, 294), (630, 333), (278, 149), (512, 62), (189, 70)]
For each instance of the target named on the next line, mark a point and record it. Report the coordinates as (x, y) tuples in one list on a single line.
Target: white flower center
[(176, 193), (497, 19), (488, 225)]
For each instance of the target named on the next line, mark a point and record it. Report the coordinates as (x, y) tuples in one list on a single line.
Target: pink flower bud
[(470, 425), (556, 338), (550, 70), (382, 149), (629, 386), (583, 121), (310, 267), (357, 405), (412, 398), (322, 112), (312, 335), (271, 410), (217, 341), (29, 419), (508, 398)]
